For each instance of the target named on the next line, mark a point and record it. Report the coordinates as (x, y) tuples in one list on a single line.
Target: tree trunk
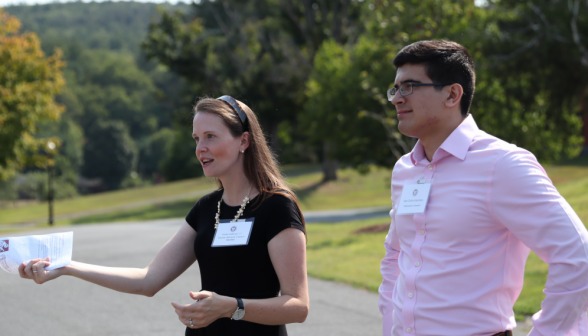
[(329, 165)]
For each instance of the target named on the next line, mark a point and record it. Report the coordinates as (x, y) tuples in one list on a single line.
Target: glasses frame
[(392, 91)]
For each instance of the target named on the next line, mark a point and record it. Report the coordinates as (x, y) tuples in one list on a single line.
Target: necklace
[(239, 213)]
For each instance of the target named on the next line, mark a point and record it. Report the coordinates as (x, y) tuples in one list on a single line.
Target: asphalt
[(69, 306)]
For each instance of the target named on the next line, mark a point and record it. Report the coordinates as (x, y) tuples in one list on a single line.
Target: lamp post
[(51, 147)]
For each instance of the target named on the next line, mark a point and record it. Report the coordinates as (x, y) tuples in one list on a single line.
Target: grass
[(157, 211), (104, 200), (351, 190), (334, 251)]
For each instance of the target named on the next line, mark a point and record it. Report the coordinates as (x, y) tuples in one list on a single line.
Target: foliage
[(109, 154), (107, 76), (110, 86), (29, 82), (153, 151), (116, 26), (516, 98), (534, 76), (181, 162), (258, 51)]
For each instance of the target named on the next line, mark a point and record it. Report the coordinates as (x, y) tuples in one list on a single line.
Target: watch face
[(238, 314)]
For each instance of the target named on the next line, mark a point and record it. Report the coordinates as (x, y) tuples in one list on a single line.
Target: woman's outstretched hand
[(208, 308), (35, 270)]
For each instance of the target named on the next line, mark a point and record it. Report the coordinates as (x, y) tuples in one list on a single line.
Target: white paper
[(414, 198), (16, 250), (233, 233)]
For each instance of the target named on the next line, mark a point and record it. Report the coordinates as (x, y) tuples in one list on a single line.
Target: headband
[(235, 106)]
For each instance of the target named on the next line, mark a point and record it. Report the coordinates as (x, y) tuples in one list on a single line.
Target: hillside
[(119, 26)]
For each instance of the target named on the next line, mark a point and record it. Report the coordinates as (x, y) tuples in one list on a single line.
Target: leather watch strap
[(240, 304)]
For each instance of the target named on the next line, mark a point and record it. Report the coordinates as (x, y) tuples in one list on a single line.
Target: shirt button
[(422, 232), (430, 167), (410, 295), (408, 329), (417, 264)]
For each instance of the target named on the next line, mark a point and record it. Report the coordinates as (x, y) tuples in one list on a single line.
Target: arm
[(287, 251), (526, 202), (171, 261), (390, 271)]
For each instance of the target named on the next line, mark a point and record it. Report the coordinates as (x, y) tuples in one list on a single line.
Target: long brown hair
[(260, 164)]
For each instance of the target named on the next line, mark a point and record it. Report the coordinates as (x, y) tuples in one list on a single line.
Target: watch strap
[(240, 308)]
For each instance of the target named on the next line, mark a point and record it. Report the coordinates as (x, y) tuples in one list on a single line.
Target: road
[(70, 307)]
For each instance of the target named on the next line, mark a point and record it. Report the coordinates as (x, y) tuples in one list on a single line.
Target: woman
[(248, 237)]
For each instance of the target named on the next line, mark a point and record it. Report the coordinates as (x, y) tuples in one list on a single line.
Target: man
[(455, 261)]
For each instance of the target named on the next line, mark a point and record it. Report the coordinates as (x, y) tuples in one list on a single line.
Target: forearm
[(274, 311), (126, 280)]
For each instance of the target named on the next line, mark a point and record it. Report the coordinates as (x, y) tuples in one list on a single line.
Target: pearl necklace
[(239, 213)]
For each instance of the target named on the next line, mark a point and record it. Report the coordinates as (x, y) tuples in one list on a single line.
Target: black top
[(241, 271)]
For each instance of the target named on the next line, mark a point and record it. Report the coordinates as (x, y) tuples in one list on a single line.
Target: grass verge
[(335, 252)]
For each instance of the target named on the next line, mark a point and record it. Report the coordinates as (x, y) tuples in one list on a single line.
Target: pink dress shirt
[(457, 269)]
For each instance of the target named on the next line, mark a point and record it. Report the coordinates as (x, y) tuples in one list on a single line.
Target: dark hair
[(260, 164), (445, 62)]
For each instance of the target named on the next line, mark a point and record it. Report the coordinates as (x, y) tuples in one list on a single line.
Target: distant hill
[(118, 26)]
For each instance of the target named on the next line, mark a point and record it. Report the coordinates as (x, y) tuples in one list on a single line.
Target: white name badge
[(233, 233), (414, 199)]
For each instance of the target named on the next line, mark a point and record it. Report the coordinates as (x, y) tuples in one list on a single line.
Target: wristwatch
[(240, 312)]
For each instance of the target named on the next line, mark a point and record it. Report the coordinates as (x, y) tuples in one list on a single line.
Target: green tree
[(520, 96), (346, 93), (534, 77), (109, 154), (153, 151), (258, 51), (181, 162), (29, 82)]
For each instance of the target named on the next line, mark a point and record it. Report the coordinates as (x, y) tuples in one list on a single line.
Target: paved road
[(70, 307)]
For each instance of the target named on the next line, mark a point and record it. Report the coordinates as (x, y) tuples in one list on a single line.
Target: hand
[(35, 270), (208, 308)]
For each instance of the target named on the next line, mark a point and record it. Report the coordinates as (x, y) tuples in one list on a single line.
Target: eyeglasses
[(406, 89)]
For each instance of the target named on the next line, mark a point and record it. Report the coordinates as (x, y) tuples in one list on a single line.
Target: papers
[(15, 250), (233, 233)]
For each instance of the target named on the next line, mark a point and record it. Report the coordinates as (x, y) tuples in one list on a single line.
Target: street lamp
[(51, 146)]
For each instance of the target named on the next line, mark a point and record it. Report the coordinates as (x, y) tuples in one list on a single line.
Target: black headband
[(235, 106)]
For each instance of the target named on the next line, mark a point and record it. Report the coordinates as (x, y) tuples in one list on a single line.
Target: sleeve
[(192, 217), (284, 214), (525, 201), (390, 271)]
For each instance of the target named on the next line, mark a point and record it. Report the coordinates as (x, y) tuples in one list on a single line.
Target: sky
[(35, 2)]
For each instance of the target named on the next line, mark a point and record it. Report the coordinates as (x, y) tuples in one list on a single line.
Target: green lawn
[(104, 200), (352, 190)]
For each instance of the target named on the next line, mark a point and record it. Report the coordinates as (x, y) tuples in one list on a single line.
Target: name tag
[(233, 233), (414, 199)]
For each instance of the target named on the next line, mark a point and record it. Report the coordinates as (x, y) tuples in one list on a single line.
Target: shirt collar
[(457, 143)]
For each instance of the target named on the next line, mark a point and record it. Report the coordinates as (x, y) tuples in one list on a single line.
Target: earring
[(242, 151)]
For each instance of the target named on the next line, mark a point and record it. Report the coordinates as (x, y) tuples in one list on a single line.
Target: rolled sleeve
[(525, 201)]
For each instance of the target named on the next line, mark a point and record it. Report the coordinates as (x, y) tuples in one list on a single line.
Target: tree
[(535, 76), (258, 51), (522, 96), (347, 104), (29, 82), (110, 153)]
